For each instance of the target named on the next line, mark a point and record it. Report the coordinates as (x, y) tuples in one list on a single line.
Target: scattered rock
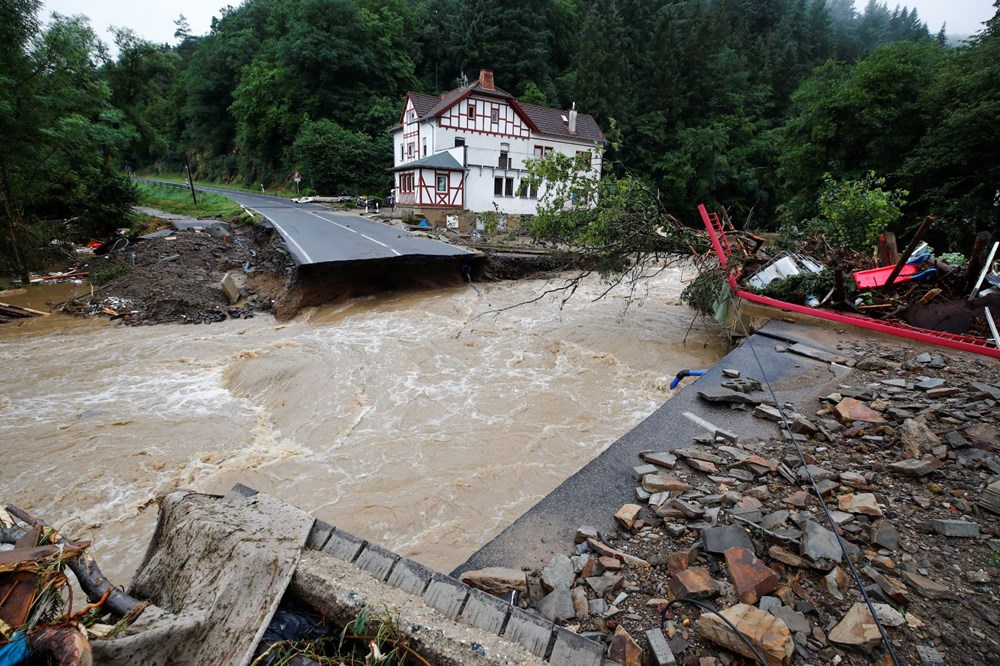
[(913, 467), (917, 438), (694, 583), (659, 483), (857, 628), (558, 573), (628, 514), (863, 503), (720, 539), (557, 605), (929, 656), (927, 588), (751, 577), (496, 580), (624, 649), (660, 651), (764, 631), (955, 528), (850, 410), (820, 544)]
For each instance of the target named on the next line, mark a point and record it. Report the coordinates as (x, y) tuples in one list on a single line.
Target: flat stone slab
[(720, 539), (661, 654), (955, 528)]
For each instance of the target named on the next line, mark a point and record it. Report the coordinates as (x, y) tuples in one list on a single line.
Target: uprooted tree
[(615, 225)]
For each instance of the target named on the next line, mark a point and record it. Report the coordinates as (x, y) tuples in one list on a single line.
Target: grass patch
[(178, 202), (275, 190)]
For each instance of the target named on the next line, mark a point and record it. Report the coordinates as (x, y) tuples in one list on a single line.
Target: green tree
[(59, 135), (852, 213)]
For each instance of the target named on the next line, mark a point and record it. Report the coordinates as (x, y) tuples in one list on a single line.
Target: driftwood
[(89, 575), (903, 258)]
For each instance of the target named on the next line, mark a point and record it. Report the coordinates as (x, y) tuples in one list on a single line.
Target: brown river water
[(406, 419)]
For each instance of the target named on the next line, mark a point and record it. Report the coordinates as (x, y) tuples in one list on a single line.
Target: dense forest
[(746, 104)]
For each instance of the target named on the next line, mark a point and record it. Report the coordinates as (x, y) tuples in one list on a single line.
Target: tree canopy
[(743, 104)]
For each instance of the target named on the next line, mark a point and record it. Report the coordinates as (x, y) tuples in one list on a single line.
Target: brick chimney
[(486, 79)]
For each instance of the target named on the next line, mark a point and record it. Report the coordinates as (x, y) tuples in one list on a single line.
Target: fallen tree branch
[(89, 575)]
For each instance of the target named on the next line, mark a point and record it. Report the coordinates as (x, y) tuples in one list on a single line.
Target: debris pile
[(36, 599), (907, 460), (187, 277), (946, 293)]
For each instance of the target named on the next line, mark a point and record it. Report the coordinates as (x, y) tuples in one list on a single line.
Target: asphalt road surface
[(316, 235)]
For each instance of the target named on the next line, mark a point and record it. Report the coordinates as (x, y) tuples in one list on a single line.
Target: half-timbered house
[(466, 150)]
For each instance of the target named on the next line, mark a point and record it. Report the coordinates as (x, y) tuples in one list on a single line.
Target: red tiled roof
[(422, 103), (550, 122), (547, 121)]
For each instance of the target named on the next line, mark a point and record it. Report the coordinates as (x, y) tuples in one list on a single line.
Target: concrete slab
[(485, 611), (530, 630), (410, 576), (595, 493), (377, 561), (574, 650), (319, 534), (344, 545), (447, 595)]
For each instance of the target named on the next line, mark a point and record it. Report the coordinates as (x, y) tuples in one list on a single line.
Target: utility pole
[(187, 166)]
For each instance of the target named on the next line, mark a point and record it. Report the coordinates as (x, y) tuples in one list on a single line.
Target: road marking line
[(381, 243), (342, 226), (286, 235)]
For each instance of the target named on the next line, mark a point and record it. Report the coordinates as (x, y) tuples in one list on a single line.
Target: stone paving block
[(446, 595), (485, 611), (530, 630), (661, 654), (320, 532), (344, 545), (410, 576), (955, 528), (574, 650), (377, 561)]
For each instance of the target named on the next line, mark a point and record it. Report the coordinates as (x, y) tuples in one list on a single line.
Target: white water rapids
[(405, 419)]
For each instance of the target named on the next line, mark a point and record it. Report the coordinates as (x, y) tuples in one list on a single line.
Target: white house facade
[(466, 150)]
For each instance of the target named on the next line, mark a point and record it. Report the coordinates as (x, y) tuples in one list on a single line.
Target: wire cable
[(705, 607), (822, 502)]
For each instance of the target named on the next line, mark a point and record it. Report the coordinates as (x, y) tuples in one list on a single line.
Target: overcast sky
[(155, 20)]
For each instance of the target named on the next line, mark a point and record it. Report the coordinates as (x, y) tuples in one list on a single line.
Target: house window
[(509, 187), (425, 148), (583, 159), (402, 151), (528, 190), (579, 198), (409, 149), (498, 187), (542, 151), (495, 116), (406, 182), (471, 111), (442, 183), (504, 161), (459, 141)]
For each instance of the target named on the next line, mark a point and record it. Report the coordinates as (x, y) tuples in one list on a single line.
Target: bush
[(852, 213)]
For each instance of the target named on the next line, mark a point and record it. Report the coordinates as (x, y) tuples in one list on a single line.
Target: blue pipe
[(685, 373)]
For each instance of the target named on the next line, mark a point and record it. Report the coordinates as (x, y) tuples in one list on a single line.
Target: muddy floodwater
[(406, 419)]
